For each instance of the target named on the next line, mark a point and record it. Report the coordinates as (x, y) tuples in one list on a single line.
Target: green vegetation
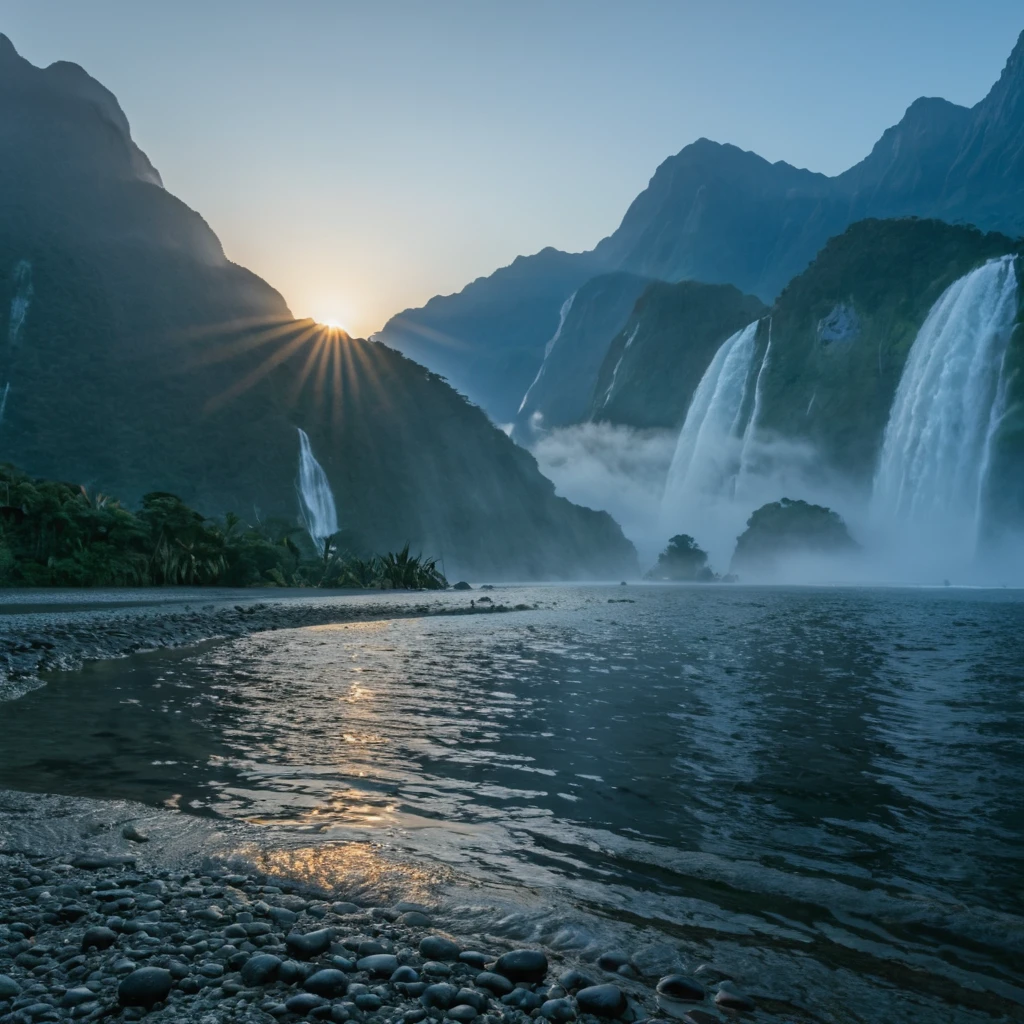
[(788, 527), (57, 534), (683, 559)]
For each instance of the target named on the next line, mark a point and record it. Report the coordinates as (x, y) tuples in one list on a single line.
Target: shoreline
[(43, 636), (115, 910)]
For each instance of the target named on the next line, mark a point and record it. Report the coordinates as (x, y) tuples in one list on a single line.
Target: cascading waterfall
[(3, 401), (563, 313), (749, 435), (316, 502), (937, 444), (22, 300), (708, 450)]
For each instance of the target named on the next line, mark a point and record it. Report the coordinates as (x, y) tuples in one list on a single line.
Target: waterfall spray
[(750, 433), (316, 502), (938, 442)]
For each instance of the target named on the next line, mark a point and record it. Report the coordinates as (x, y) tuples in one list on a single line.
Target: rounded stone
[(732, 999), (344, 909), (260, 969), (523, 965), (463, 1013), (383, 964), (558, 1010), (328, 982), (98, 938), (573, 981), (404, 975), (442, 995), (602, 1000), (474, 959), (701, 1017), (77, 996), (414, 919), (145, 987), (680, 987), (310, 945), (369, 1002), (437, 947), (9, 988), (612, 960), (303, 1002)]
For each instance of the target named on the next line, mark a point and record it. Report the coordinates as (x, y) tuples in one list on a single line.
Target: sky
[(364, 156)]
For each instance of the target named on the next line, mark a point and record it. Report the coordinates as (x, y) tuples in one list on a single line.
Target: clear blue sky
[(365, 156)]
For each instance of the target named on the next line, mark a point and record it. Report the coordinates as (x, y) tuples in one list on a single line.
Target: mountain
[(135, 357), (563, 389), (716, 214), (653, 365)]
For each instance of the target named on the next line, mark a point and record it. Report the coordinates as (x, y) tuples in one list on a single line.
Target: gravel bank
[(115, 911)]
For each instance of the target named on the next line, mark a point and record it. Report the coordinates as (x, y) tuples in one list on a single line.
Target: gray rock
[(657, 960), (404, 975), (328, 982), (77, 996), (436, 968), (701, 1017), (145, 986), (573, 981), (497, 983), (474, 959), (601, 1000), (303, 1002), (472, 997), (283, 916), (9, 988), (98, 938), (523, 965), (90, 862), (414, 1016), (437, 947), (442, 995), (612, 960), (732, 998), (133, 835), (345, 909), (679, 986), (381, 964), (558, 1010), (463, 1013), (414, 919), (369, 1001), (310, 945)]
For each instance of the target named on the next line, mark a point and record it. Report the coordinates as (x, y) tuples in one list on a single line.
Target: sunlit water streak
[(819, 790)]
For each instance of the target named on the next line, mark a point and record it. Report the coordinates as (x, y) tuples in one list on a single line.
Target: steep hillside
[(134, 357), (654, 364), (563, 389)]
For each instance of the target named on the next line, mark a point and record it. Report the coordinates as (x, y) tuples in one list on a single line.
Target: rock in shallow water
[(145, 986), (732, 999), (602, 1000), (679, 987), (523, 965)]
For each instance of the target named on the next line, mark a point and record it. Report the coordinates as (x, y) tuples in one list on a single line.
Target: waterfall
[(618, 363), (751, 431), (3, 401), (937, 445), (316, 502), (564, 312), (707, 453), (21, 301)]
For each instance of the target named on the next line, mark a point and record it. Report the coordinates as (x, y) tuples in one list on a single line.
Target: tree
[(683, 559)]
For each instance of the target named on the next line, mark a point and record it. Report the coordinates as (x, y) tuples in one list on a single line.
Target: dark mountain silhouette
[(135, 357)]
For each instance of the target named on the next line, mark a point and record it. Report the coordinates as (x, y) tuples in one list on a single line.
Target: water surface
[(820, 790)]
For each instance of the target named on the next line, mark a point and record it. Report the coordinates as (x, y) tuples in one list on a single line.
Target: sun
[(333, 314)]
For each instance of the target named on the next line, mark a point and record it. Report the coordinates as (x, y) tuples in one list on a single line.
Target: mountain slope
[(717, 214), (134, 357)]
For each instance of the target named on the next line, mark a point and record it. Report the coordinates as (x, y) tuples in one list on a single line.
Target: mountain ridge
[(719, 214)]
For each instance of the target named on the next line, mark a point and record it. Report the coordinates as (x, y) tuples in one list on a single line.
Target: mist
[(624, 471)]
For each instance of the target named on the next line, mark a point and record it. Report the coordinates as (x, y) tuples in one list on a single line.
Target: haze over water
[(820, 790)]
